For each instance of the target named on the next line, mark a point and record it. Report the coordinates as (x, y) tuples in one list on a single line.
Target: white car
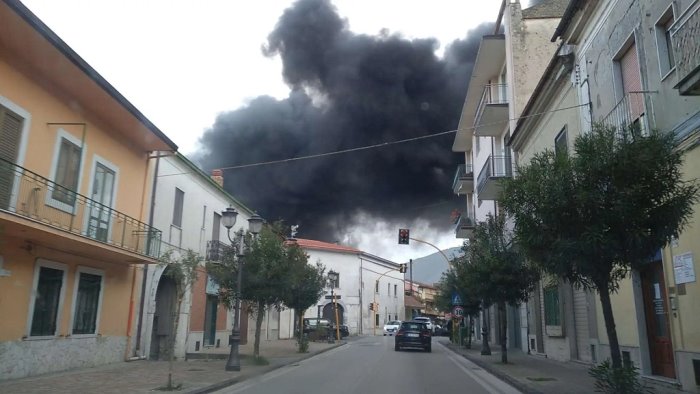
[(391, 327), (425, 320)]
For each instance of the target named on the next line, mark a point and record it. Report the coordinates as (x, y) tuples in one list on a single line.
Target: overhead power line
[(380, 145)]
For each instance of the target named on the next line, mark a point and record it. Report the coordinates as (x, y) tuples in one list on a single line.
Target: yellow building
[(75, 177)]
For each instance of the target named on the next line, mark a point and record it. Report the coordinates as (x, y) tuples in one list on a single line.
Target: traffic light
[(403, 236), (402, 268), (371, 306)]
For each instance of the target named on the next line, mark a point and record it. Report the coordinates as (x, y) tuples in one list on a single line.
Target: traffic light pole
[(436, 248)]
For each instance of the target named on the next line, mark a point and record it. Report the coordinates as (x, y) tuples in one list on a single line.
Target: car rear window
[(394, 323), (413, 326)]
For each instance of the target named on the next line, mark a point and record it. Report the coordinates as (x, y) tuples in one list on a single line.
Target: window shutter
[(10, 134), (631, 81)]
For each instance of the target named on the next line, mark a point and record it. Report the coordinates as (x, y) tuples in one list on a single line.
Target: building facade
[(506, 70), (363, 279), (187, 209), (75, 184)]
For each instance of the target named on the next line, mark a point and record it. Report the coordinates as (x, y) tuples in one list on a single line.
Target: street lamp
[(333, 280), (228, 217)]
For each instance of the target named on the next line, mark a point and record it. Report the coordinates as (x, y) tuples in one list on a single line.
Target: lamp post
[(228, 217), (332, 280)]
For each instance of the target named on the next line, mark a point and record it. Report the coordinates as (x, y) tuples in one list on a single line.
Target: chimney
[(218, 177)]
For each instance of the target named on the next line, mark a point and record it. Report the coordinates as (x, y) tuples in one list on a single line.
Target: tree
[(264, 274), (182, 269), (592, 217), (305, 286), (451, 283), (495, 271)]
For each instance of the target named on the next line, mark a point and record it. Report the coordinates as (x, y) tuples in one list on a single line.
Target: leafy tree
[(264, 274), (591, 217), (182, 269), (496, 271), (450, 283), (305, 286)]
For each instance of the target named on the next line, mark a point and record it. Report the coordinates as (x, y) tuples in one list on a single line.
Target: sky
[(189, 66)]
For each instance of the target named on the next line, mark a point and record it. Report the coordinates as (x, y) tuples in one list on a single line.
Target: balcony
[(628, 112), (686, 50), (488, 182), (465, 226), (216, 250), (29, 209), (492, 113), (464, 180)]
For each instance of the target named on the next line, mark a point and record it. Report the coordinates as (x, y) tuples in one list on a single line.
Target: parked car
[(344, 331), (425, 320), (413, 334), (391, 327), (441, 331)]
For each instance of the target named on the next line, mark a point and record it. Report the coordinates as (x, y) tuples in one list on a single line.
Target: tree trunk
[(504, 329), (470, 327), (610, 329), (171, 344), (258, 326)]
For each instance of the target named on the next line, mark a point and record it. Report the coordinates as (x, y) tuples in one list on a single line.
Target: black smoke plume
[(348, 90)]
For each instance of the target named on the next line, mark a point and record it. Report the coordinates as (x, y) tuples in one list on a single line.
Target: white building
[(363, 279), (187, 209), (508, 66)]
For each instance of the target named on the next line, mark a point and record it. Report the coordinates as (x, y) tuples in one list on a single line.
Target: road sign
[(458, 311), (337, 297), (456, 299)]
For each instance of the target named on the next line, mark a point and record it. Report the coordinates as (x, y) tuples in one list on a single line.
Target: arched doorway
[(163, 318), (329, 313)]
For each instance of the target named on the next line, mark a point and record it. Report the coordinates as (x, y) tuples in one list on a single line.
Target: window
[(177, 207), (395, 290), (10, 139), (87, 301), (388, 289), (561, 143), (663, 42), (376, 319), (216, 226), (552, 315), (67, 171), (376, 287), (47, 296)]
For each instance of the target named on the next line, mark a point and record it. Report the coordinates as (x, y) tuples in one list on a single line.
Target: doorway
[(163, 318), (657, 320), (101, 205), (329, 313), (210, 309)]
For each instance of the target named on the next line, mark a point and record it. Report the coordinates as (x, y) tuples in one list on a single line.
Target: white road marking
[(485, 379)]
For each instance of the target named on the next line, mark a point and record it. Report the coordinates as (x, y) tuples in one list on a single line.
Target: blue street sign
[(456, 299)]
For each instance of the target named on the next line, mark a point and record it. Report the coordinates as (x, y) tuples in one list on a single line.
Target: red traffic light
[(403, 236)]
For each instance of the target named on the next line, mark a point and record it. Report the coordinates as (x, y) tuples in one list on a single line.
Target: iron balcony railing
[(465, 220), (495, 167), (628, 112), (686, 50), (216, 250), (464, 172), (28, 194), (494, 93)]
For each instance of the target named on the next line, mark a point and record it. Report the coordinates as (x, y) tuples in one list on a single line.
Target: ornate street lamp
[(228, 217), (333, 281)]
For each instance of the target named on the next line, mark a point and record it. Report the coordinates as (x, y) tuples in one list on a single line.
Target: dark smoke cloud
[(347, 90)]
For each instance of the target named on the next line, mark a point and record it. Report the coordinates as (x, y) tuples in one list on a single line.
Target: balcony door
[(101, 205), (632, 84)]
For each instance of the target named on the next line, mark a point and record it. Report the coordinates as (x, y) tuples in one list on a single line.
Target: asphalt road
[(370, 365)]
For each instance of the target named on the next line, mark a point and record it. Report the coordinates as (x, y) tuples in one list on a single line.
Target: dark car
[(344, 332), (413, 334)]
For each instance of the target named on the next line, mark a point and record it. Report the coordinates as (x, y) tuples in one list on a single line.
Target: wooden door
[(657, 321)]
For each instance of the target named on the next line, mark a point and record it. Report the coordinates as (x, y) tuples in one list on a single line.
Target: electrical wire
[(380, 145)]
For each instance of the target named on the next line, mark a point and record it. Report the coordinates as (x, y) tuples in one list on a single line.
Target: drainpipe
[(144, 281)]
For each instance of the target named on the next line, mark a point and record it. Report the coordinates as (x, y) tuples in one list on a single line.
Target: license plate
[(412, 335)]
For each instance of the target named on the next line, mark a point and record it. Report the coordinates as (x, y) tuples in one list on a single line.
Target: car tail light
[(425, 333), (399, 333)]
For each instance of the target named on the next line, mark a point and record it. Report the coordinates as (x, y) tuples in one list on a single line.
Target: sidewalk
[(196, 376), (530, 374)]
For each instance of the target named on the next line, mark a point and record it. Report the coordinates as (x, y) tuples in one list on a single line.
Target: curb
[(526, 389), (229, 382)]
